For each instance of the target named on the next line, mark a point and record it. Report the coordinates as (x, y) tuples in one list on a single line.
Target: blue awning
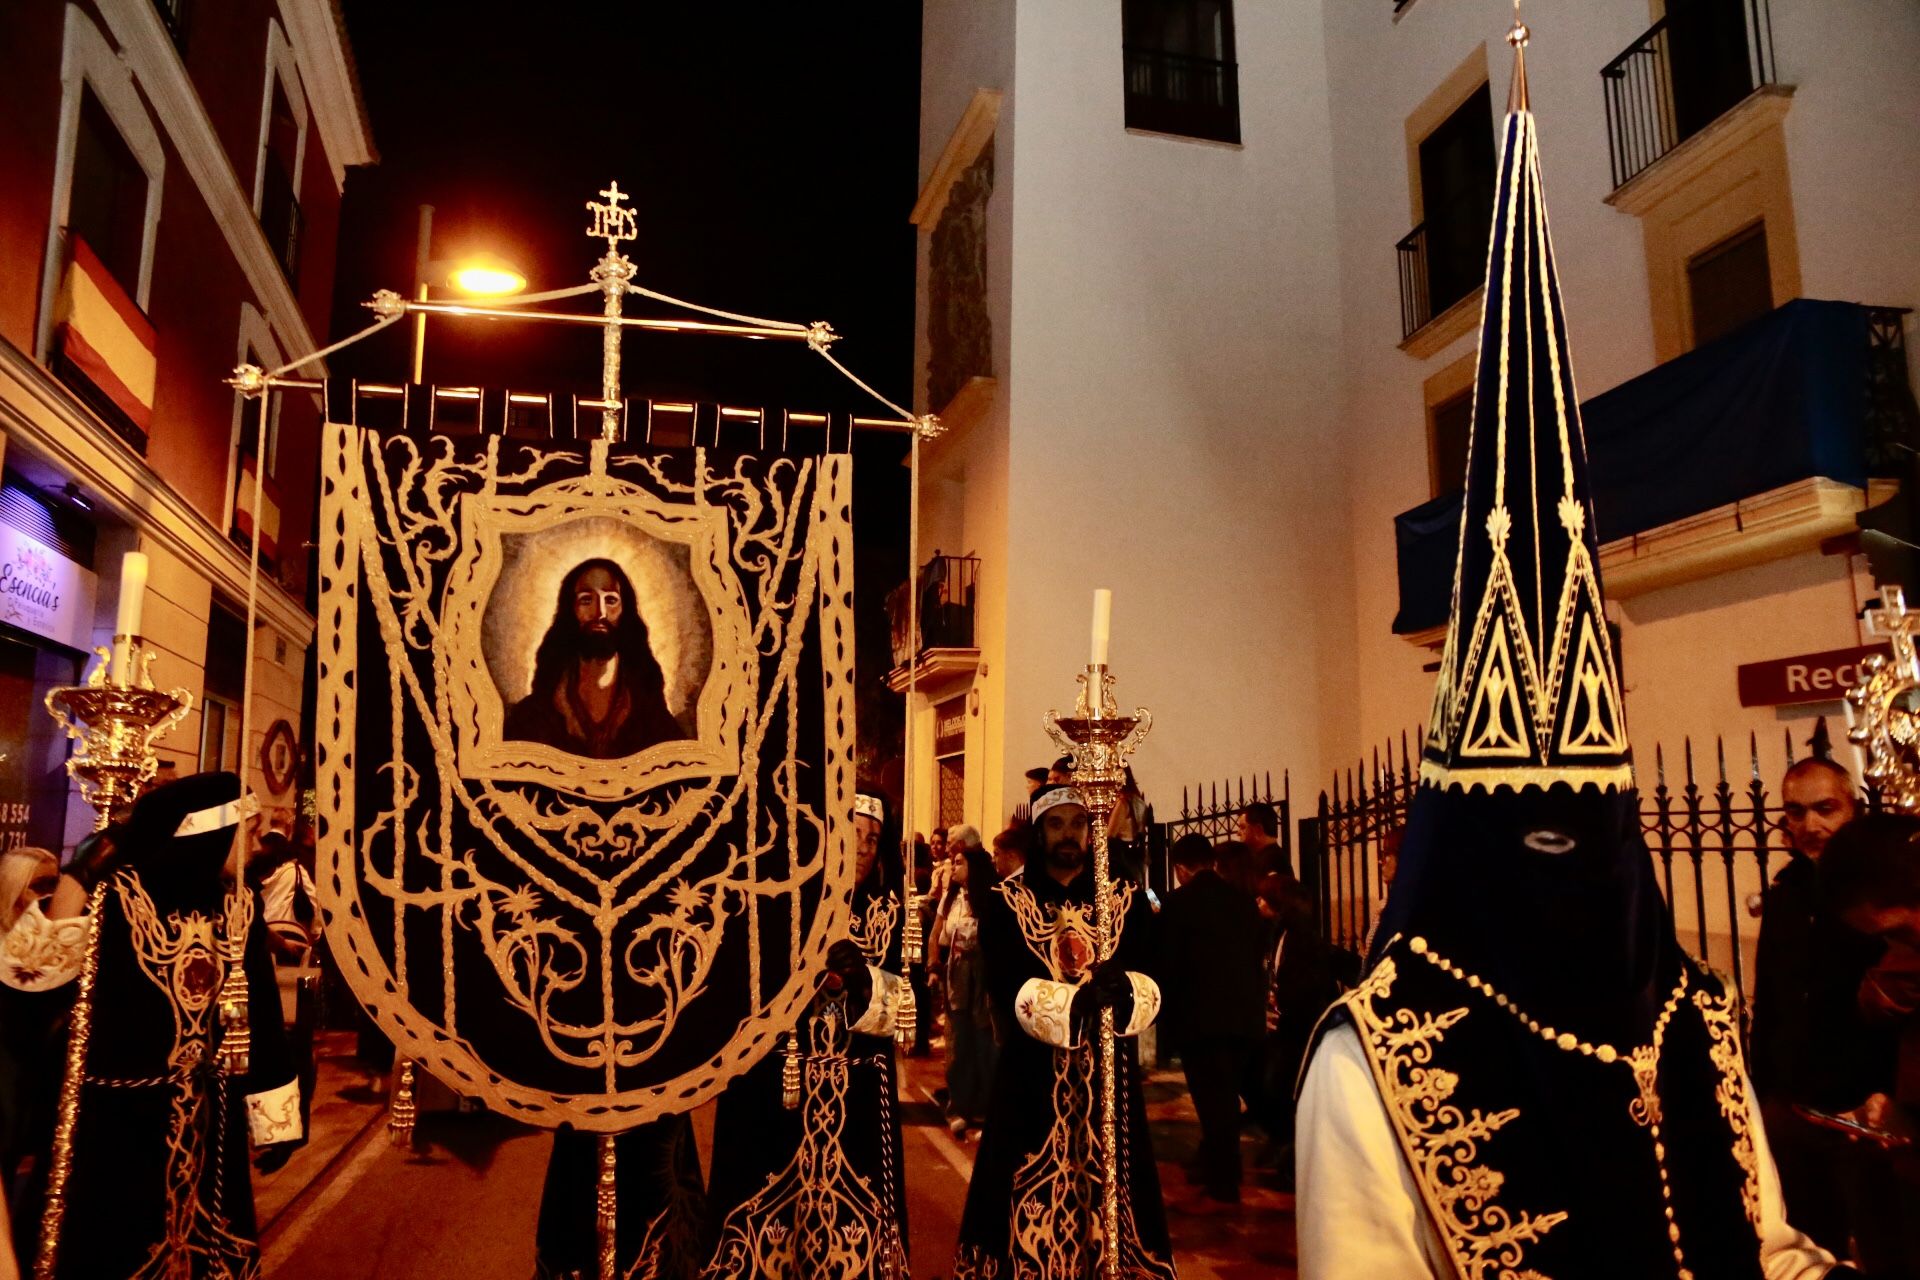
[(1780, 399)]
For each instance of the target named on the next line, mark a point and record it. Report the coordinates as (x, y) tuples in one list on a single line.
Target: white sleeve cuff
[(1042, 1009), (882, 1010), (1146, 1003), (274, 1116)]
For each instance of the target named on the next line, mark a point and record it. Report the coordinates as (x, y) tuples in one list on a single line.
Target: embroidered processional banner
[(585, 731)]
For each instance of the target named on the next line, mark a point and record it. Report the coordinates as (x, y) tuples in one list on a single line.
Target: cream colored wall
[(1854, 170), (1173, 415)]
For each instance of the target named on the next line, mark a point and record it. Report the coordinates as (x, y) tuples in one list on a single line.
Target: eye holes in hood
[(1549, 840)]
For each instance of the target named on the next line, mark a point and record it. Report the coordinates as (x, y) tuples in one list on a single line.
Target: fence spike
[(1269, 776), (1659, 764), (1753, 750), (1788, 735), (1243, 792), (1286, 786), (1688, 740), (1184, 811), (1720, 747)]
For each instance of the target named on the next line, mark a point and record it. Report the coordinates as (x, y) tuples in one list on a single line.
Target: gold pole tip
[(1519, 34)]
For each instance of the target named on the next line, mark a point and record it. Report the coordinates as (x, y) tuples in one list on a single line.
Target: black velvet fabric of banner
[(583, 870)]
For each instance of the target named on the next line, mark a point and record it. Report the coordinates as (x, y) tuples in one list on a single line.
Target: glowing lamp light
[(486, 276)]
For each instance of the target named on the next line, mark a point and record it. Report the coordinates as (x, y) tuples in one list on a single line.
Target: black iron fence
[(1179, 93), (1213, 810), (1681, 75), (947, 586), (1716, 839)]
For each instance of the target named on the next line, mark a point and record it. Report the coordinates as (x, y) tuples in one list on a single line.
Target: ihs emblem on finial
[(612, 222)]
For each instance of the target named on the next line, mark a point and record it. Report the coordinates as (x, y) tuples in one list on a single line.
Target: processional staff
[(1101, 741)]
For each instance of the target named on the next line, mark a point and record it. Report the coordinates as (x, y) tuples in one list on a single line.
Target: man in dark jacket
[(1811, 1047), (1215, 1008)]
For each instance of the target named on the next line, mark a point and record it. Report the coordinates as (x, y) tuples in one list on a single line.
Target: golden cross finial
[(612, 222), (1517, 35)]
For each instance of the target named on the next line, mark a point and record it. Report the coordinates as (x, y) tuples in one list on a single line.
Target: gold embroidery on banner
[(872, 929), (185, 956), (1441, 1142), (1731, 1094), (971, 1262), (592, 920), (818, 1216)]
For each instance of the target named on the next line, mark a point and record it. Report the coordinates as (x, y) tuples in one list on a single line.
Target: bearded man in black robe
[(1034, 1203), (597, 688)]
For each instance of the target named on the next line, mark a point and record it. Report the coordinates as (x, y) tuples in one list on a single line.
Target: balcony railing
[(947, 585), (1812, 390), (1416, 297), (1179, 93), (1681, 75), (280, 218)]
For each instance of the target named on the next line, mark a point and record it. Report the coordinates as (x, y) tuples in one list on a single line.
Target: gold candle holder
[(1101, 741), (1880, 705), (115, 717)]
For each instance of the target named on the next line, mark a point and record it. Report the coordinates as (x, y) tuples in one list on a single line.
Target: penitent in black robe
[(160, 1184), (818, 1192), (1033, 1206)]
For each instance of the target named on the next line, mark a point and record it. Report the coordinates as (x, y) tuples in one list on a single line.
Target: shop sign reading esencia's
[(43, 592)]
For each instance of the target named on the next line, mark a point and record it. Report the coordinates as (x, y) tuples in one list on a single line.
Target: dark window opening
[(1180, 72), (1449, 424), (1456, 200), (224, 687), (279, 199), (108, 205), (1687, 70), (1730, 284)]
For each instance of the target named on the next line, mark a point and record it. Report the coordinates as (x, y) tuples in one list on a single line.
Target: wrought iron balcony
[(1682, 74), (1416, 298), (947, 585), (1179, 93)]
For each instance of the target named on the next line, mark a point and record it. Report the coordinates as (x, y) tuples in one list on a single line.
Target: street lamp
[(480, 275)]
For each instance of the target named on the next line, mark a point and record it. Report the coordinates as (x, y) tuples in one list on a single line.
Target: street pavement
[(462, 1202)]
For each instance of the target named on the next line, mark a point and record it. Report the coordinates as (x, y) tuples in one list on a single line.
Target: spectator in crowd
[(1036, 779), (1009, 853), (956, 955), (1812, 1049), (1260, 832), (917, 973), (1210, 965), (287, 896), (1870, 878), (1234, 861), (1060, 772), (1389, 867), (1300, 984)]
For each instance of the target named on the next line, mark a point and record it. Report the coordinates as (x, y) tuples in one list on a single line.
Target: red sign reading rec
[(1811, 677)]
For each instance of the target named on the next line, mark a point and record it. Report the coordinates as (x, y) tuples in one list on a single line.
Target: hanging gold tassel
[(906, 1015), (790, 1073), (402, 1111), (235, 1054)]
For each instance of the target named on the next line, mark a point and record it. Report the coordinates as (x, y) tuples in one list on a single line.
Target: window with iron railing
[(1442, 259), (280, 219), (1180, 72), (1683, 73), (947, 586)]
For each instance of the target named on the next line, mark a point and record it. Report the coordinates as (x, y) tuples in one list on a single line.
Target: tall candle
[(133, 591), (1102, 624)]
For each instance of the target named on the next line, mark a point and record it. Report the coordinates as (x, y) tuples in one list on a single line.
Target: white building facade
[(1206, 336)]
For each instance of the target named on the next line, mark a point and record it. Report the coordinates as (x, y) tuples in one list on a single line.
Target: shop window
[(1180, 71), (54, 521), (1730, 284)]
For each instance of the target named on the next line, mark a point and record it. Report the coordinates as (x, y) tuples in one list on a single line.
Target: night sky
[(771, 152)]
